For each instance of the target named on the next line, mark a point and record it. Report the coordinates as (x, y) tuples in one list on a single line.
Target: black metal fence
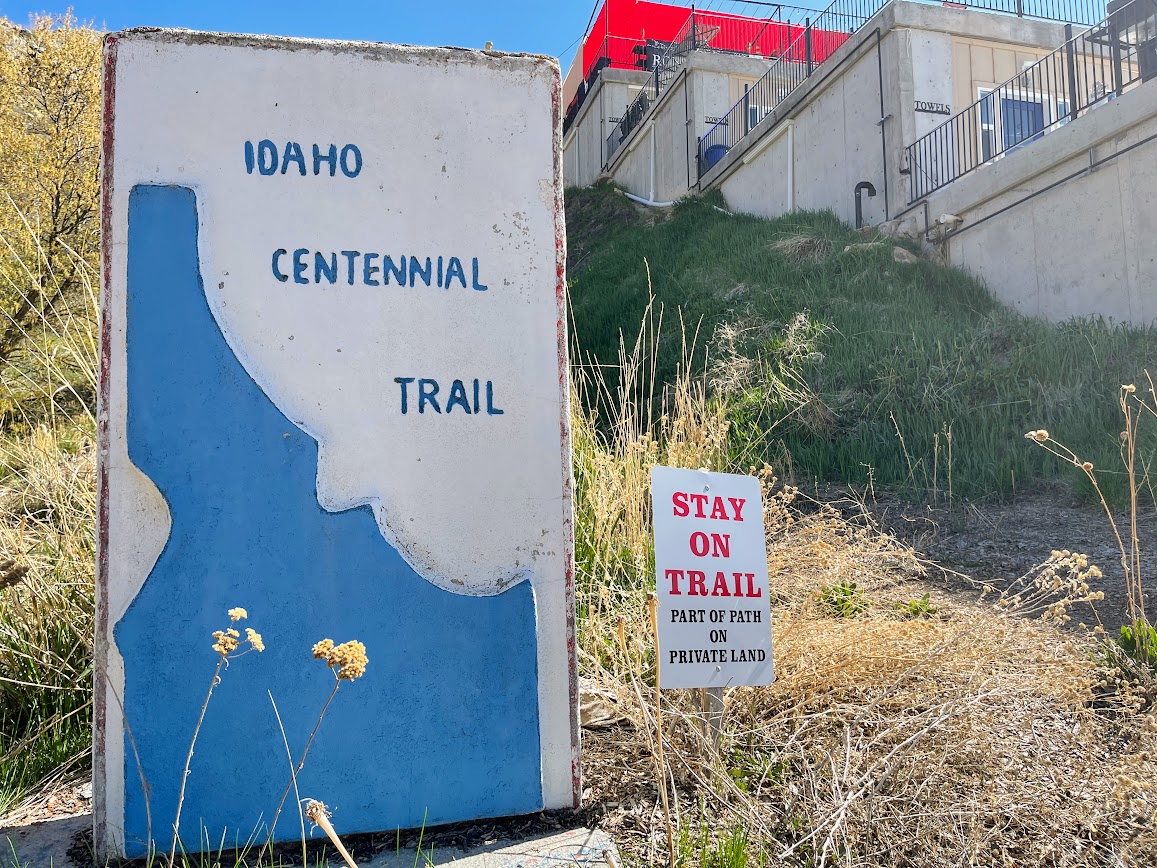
[(807, 50), (1088, 70), (1066, 11), (704, 31), (664, 69), (822, 35)]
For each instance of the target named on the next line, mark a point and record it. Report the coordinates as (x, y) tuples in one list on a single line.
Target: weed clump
[(843, 600), (804, 247), (1132, 654)]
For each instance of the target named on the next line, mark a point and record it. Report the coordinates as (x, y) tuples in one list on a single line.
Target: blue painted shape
[(443, 726)]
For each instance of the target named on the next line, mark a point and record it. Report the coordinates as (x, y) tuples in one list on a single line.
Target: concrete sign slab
[(333, 392), (711, 579)]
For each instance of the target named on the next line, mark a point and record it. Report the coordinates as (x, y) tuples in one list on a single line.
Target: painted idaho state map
[(239, 480)]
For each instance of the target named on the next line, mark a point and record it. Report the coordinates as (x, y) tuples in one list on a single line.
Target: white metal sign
[(711, 578)]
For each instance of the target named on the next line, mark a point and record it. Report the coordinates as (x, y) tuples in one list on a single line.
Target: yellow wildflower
[(224, 644), (322, 648), (254, 639), (349, 658), (237, 614)]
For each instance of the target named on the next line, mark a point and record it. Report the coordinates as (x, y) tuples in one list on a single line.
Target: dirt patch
[(994, 544)]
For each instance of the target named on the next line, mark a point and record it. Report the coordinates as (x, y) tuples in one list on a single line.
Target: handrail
[(1084, 12), (1093, 67)]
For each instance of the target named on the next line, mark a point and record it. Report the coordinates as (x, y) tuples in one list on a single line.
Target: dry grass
[(960, 732), (804, 247), (612, 466), (47, 529), (48, 498)]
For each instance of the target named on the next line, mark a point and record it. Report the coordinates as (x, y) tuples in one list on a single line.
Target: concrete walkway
[(46, 845)]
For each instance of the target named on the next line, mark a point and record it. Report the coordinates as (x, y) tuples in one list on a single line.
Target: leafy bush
[(843, 600)]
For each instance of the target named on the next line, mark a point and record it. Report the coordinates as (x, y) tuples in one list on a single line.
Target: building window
[(1009, 121), (987, 123), (1022, 119)]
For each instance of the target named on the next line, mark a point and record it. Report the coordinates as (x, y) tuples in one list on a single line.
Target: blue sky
[(541, 26)]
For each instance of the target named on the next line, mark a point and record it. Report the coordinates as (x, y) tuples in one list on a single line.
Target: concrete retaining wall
[(1067, 225), (815, 158), (652, 162), (853, 117)]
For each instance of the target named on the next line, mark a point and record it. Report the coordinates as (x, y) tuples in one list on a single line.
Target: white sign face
[(711, 579), (334, 393)]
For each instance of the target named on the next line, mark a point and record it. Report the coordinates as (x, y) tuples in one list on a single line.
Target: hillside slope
[(863, 368)]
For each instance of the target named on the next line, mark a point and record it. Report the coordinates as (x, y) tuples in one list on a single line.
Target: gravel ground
[(996, 543)]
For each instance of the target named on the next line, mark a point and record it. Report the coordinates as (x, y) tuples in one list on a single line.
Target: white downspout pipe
[(791, 166), (643, 201), (651, 192), (650, 200)]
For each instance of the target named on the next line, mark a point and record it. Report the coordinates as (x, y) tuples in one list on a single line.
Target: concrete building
[(965, 127)]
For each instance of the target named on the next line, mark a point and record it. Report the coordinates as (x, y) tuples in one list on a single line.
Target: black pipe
[(807, 43), (883, 121), (860, 188)]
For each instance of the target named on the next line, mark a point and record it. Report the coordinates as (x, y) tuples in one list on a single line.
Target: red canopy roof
[(623, 24)]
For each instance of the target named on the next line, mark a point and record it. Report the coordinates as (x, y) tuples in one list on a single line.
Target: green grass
[(898, 357)]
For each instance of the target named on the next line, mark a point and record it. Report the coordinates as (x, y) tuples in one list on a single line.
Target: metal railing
[(1085, 12), (735, 34), (1089, 69), (1066, 11), (824, 34), (664, 69), (739, 33), (809, 47), (707, 31), (619, 52)]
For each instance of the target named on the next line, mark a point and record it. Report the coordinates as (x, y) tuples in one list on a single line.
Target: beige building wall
[(573, 78), (978, 63)]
